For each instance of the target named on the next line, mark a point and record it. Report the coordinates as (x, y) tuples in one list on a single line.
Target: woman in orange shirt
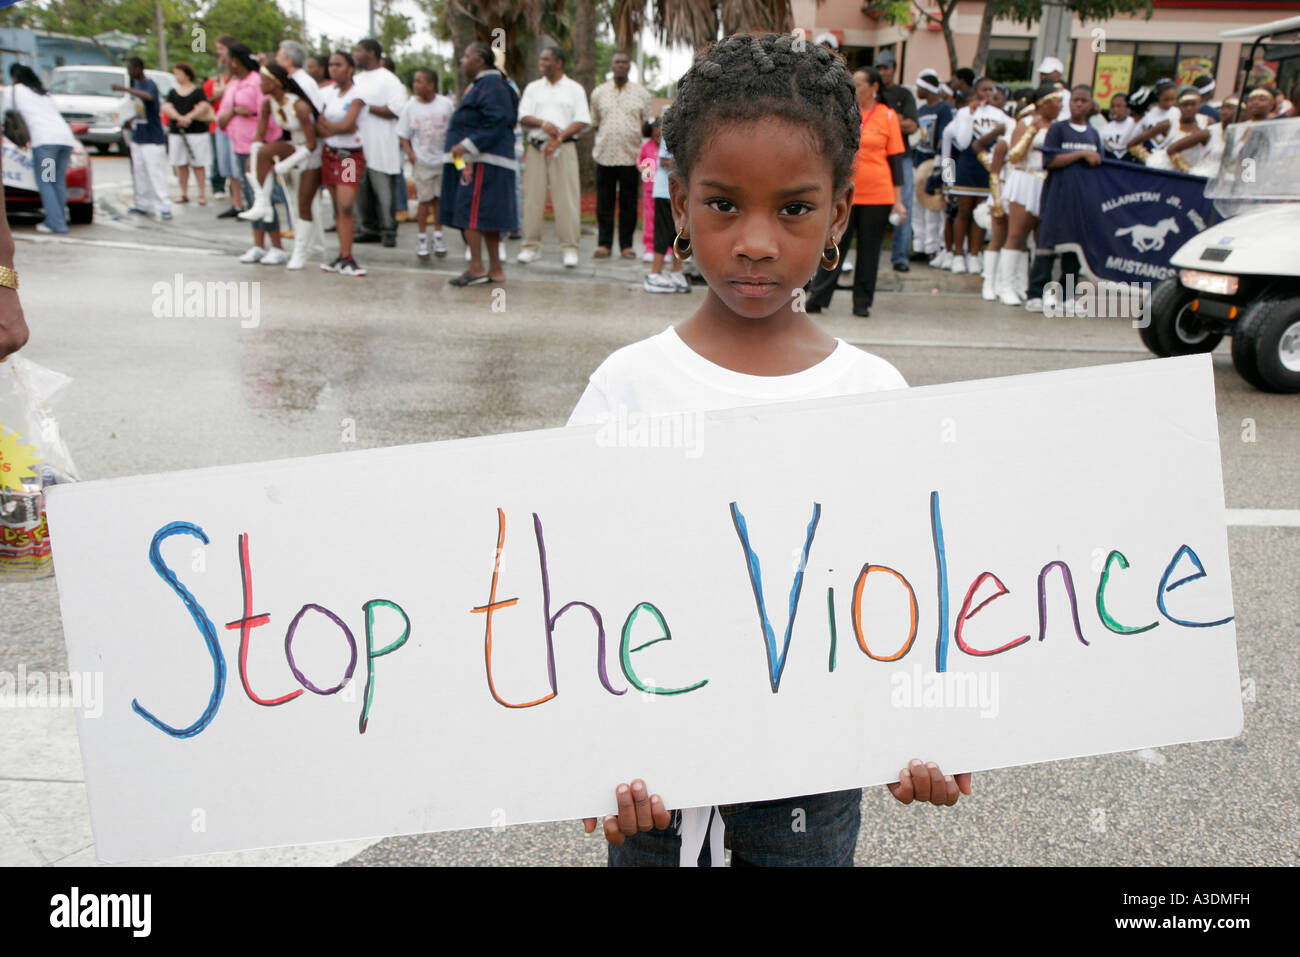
[(877, 184)]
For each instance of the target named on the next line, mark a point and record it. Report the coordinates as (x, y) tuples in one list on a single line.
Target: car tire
[(103, 149), (1266, 344), (1174, 326), (79, 214)]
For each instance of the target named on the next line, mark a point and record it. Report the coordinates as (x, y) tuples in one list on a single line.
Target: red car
[(20, 191)]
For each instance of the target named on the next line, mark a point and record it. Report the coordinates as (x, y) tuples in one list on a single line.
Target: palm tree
[(697, 22)]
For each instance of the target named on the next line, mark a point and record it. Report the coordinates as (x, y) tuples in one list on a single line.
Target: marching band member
[(1024, 189), (975, 129)]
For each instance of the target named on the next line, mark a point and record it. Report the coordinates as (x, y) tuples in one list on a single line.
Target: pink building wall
[(923, 48)]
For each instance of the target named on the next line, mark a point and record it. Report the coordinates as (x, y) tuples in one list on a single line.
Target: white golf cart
[(1241, 277)]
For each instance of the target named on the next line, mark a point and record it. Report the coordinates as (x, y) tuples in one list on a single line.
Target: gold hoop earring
[(828, 266), (677, 251)]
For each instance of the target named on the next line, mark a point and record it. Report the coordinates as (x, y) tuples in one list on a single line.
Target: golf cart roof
[(1265, 29)]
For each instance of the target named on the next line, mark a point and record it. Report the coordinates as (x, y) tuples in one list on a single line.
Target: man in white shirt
[(385, 96), (291, 56), (552, 111)]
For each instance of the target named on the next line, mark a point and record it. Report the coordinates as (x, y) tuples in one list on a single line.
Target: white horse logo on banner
[(1148, 238)]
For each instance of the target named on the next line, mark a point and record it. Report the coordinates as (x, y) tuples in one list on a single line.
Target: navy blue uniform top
[(486, 115), (149, 128)]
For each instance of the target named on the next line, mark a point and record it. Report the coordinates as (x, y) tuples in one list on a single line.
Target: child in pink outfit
[(648, 163)]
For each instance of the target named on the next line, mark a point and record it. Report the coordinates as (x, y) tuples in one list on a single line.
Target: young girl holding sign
[(758, 232)]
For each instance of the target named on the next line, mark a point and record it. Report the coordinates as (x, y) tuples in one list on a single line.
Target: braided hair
[(744, 79)]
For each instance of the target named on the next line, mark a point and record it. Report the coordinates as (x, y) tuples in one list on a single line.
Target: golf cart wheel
[(1266, 344), (81, 213), (1177, 329)]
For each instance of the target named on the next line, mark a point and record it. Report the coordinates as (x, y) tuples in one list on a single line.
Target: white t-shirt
[(381, 87), (44, 121), (1153, 117), (562, 103), (334, 108), (1115, 136), (662, 375), (425, 125), (308, 86)]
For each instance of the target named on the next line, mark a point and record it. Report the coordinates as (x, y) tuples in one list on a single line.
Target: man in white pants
[(148, 145), (552, 111)]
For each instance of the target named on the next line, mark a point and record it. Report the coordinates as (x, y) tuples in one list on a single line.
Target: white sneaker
[(254, 255), (528, 256), (657, 282), (942, 259), (679, 281), (275, 257), (570, 258), (958, 266), (439, 247), (422, 247), (649, 257), (973, 264), (1034, 305)]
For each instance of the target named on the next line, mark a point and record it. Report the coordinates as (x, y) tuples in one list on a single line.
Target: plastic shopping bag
[(32, 458)]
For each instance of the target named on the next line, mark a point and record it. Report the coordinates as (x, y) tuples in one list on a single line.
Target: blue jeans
[(817, 830), (902, 249), (51, 167)]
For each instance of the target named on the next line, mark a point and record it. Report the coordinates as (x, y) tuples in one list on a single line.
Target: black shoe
[(366, 238), (390, 241), (811, 307), (902, 267), (231, 213), (862, 313)]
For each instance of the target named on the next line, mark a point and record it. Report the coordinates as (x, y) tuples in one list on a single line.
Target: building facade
[(1182, 38)]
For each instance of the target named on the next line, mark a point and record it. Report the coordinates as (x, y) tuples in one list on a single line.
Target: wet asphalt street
[(399, 357)]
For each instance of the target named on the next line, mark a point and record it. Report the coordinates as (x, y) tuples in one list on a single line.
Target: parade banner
[(742, 605), (1124, 221)]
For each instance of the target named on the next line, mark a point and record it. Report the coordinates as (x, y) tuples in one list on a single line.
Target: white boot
[(1020, 280), (990, 274), (320, 209), (292, 160), (303, 239), (261, 208), (1004, 285)]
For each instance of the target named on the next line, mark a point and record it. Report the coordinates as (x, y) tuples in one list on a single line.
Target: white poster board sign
[(470, 633), (18, 170)]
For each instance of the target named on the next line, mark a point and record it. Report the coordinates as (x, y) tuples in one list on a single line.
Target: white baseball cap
[(1051, 65)]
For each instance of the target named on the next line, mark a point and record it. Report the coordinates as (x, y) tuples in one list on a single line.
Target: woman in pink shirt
[(243, 104)]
